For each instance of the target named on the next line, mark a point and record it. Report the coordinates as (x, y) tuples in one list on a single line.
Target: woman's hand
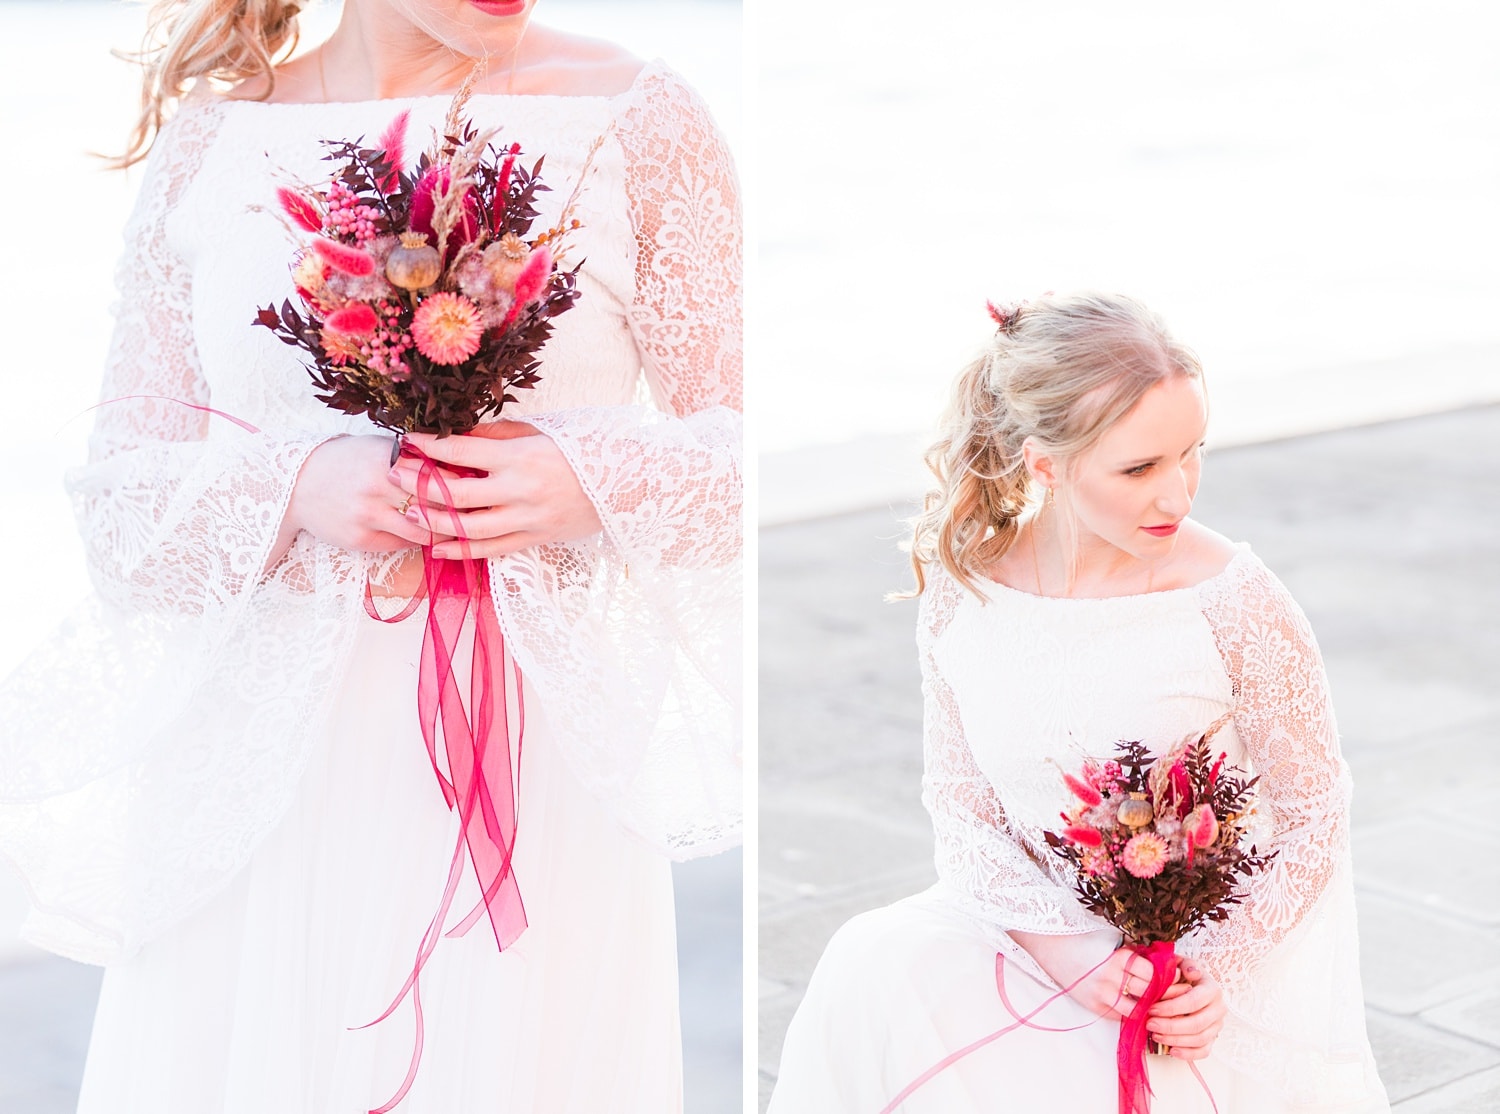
[(528, 496), (1112, 989), (344, 496), (1107, 988), (1190, 1014)]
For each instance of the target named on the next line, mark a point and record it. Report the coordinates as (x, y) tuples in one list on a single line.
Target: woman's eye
[(1138, 470)]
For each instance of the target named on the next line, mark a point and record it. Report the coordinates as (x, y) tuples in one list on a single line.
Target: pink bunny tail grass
[(341, 257), (297, 206), (502, 185), (356, 321), (1084, 837), (1083, 791), (532, 280), (393, 143)]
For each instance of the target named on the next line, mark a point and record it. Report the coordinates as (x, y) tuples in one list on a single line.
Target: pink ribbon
[(480, 781), (1130, 1056)]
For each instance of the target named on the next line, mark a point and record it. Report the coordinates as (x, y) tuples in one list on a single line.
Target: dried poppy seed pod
[(506, 259), (1135, 811), (413, 263)]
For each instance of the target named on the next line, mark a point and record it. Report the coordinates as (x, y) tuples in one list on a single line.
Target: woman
[(214, 779), (1068, 602)]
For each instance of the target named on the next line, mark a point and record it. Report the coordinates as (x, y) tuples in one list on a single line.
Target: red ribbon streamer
[(1130, 1055), (480, 781)]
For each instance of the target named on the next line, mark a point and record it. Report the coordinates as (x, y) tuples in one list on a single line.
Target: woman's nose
[(1176, 496)]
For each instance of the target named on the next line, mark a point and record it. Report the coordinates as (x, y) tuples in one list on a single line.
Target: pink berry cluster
[(385, 348), (347, 218)]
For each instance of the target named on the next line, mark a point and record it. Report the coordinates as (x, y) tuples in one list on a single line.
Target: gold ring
[(401, 508)]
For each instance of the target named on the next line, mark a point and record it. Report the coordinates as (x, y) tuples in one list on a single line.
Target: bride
[(1068, 602), (213, 777)]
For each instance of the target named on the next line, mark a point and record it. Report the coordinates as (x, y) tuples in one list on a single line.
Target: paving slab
[(1478, 1093), (1415, 1059), (1386, 534)]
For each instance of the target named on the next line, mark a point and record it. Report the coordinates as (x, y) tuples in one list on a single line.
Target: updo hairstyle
[(1060, 370), (225, 41)]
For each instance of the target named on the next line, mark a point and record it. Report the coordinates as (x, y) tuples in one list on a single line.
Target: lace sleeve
[(177, 509), (1284, 718), (992, 869), (155, 737), (634, 637)]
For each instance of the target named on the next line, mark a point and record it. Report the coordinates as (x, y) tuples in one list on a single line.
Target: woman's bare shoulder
[(562, 63), (1200, 554), (296, 80)]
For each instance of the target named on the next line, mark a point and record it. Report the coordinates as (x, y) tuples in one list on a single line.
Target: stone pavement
[(47, 1005), (1389, 537)]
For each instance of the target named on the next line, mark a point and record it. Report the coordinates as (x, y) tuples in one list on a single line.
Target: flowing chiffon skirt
[(900, 988), (253, 1003)]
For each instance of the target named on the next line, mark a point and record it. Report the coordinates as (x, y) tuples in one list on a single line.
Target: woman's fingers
[(1173, 992), (447, 489), (504, 431), (1190, 999), (476, 525), (393, 529), (488, 547)]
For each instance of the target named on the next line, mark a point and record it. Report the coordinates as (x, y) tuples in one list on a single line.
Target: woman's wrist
[(1066, 959)]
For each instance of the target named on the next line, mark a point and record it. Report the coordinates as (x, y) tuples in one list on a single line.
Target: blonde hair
[(1061, 371), (188, 41)]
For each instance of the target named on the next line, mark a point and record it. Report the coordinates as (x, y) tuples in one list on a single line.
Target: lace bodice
[(1019, 687), (215, 674)]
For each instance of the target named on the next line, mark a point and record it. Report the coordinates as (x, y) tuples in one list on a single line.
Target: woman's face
[(1137, 484)]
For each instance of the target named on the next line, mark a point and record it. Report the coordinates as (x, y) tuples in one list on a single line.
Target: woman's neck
[(376, 53), (1083, 566)]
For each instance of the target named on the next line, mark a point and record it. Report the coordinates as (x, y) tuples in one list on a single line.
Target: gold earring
[(1052, 496)]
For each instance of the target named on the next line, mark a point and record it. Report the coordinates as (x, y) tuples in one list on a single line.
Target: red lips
[(500, 7), (1162, 531)]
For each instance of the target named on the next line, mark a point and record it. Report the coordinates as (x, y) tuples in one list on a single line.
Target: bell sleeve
[(634, 636), (1000, 874), (1287, 958), (156, 736)]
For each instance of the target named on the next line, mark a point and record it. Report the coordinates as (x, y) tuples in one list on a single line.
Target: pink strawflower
[(447, 328), (341, 257), (1144, 855), (1084, 837)]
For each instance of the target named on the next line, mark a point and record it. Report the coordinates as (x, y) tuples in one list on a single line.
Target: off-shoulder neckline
[(654, 66), (993, 588)]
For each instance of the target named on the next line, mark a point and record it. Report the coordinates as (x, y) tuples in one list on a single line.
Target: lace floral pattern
[(1013, 682), (158, 737)]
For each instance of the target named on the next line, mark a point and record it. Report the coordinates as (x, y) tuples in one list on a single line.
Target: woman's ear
[(1041, 466)]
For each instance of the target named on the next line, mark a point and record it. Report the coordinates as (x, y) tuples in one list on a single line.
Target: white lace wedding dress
[(1017, 688), (214, 779)]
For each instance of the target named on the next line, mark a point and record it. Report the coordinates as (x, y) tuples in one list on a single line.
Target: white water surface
[(1305, 191)]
